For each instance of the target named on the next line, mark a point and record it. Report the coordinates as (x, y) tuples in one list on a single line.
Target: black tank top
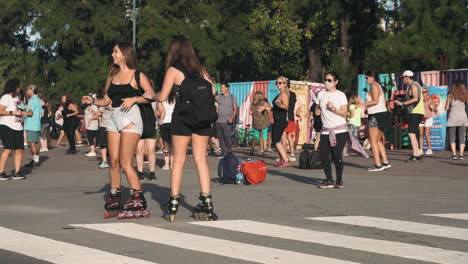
[(292, 104), (65, 112), (279, 114), (117, 92)]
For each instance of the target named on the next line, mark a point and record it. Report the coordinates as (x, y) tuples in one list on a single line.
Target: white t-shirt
[(58, 121), (89, 112), (11, 104), (169, 110), (329, 118)]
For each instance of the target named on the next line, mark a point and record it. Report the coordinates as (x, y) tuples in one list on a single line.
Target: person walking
[(11, 129), (430, 111), (70, 121), (334, 108), (227, 111), (379, 120), (45, 125), (417, 114), (32, 124), (280, 116), (354, 115), (457, 120), (91, 119), (105, 114), (124, 128), (183, 66)]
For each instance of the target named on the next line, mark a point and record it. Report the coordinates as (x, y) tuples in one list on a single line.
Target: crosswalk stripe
[(210, 245), (56, 251), (397, 225), (452, 216), (397, 249)]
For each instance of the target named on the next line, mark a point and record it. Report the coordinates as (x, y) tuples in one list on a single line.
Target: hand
[(24, 114), (68, 115), (398, 102), (330, 105), (260, 108), (128, 103), (230, 120), (160, 122)]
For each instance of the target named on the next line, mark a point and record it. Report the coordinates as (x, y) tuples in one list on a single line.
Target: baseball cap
[(407, 74), (31, 86)]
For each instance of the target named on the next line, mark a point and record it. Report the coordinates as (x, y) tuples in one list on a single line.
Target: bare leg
[(282, 151), (18, 158), (140, 152), (113, 145), (291, 142), (128, 145), (199, 156), (317, 141), (4, 159), (79, 139), (382, 150), (62, 134), (427, 134), (179, 148), (150, 145), (421, 136), (104, 154), (374, 138), (414, 144)]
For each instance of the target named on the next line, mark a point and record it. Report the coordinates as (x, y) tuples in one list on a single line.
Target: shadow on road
[(295, 177)]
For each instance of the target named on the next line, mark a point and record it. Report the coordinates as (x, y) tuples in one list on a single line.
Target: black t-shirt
[(45, 117), (292, 105)]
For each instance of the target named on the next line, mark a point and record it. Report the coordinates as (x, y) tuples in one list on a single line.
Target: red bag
[(254, 171)]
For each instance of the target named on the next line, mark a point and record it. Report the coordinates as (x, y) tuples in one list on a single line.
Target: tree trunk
[(315, 65), (344, 50)]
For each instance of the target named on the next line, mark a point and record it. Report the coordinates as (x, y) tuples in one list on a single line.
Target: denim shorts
[(120, 119)]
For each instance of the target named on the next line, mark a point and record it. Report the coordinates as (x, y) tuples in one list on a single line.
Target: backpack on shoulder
[(227, 169), (254, 171), (197, 103), (147, 113)]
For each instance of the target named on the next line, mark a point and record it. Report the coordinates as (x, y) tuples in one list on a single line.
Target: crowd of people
[(113, 121)]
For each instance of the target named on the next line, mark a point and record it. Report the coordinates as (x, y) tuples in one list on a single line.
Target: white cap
[(407, 74)]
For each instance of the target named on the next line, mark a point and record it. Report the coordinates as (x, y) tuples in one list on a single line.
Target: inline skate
[(135, 207), (204, 210), (172, 208), (113, 204)]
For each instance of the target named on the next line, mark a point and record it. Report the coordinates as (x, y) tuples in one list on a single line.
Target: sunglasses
[(329, 80), (367, 77), (425, 91), (279, 83)]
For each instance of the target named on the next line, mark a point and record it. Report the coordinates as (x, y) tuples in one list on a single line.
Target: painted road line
[(56, 251), (397, 225), (451, 216), (396, 249), (210, 245)]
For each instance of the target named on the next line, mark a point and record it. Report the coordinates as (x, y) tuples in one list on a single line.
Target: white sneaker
[(429, 152), (291, 158), (421, 152), (166, 167), (42, 150), (91, 154)]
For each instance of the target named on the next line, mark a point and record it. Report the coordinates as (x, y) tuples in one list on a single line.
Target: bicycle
[(242, 137)]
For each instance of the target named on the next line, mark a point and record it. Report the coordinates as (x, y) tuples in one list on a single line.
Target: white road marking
[(397, 225), (451, 216), (56, 251), (397, 249), (210, 245)]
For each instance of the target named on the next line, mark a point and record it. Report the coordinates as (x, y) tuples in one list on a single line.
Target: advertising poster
[(439, 129), (301, 89)]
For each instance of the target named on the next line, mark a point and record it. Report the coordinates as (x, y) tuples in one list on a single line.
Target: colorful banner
[(301, 89), (439, 129)]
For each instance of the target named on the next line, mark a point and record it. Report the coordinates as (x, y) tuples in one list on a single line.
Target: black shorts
[(102, 139), (380, 120), (277, 131), (11, 139), (59, 127), (165, 130), (413, 123), (179, 128), (91, 135), (213, 132)]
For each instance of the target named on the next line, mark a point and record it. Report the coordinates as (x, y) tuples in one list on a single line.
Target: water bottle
[(239, 175)]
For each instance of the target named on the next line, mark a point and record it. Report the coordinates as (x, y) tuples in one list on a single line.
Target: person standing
[(379, 121), (181, 63), (430, 109), (105, 113), (59, 123), (91, 119), (417, 114), (70, 121), (354, 115), (168, 105), (227, 111), (290, 130), (280, 117), (457, 119), (45, 125), (11, 129), (334, 109), (260, 122), (32, 124), (124, 128)]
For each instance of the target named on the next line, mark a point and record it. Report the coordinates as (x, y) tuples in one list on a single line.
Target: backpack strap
[(180, 68)]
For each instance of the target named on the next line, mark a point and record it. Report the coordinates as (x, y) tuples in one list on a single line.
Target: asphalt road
[(56, 216)]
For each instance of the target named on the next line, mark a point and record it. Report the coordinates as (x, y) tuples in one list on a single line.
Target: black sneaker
[(376, 168), (386, 165), (32, 164), (17, 176), (419, 158), (453, 157), (461, 157), (70, 152), (326, 184), (4, 177), (412, 159), (151, 176), (141, 175), (339, 185)]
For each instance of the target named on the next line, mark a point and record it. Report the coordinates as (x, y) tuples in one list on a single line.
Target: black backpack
[(196, 101), (310, 159), (227, 168)]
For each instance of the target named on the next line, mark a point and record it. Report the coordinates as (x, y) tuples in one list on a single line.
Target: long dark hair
[(11, 86), (373, 73), (458, 91), (68, 99), (130, 58), (181, 53)]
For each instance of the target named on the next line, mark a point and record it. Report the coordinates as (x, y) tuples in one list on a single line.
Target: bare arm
[(283, 101), (74, 109), (169, 80), (342, 111), (162, 113), (447, 103), (351, 113)]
